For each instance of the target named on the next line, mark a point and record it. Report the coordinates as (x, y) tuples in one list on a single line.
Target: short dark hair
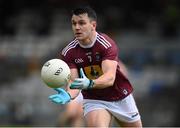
[(83, 10)]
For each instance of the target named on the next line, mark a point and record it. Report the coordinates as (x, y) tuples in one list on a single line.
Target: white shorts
[(124, 110), (79, 98)]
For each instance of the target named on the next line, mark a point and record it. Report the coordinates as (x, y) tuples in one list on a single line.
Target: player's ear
[(94, 25)]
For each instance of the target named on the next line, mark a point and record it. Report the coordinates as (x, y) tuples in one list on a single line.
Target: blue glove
[(82, 83), (62, 97)]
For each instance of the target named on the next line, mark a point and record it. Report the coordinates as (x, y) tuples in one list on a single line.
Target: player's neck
[(89, 42)]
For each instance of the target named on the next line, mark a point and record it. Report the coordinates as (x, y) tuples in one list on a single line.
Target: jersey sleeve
[(68, 58), (112, 52)]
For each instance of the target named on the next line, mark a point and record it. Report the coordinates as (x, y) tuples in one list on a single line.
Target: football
[(55, 73)]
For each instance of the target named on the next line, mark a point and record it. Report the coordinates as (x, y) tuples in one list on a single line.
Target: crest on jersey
[(93, 71), (98, 56)]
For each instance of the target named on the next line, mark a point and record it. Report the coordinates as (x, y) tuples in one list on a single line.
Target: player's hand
[(82, 83), (62, 97)]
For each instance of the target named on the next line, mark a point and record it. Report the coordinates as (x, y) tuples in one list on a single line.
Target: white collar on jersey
[(90, 45)]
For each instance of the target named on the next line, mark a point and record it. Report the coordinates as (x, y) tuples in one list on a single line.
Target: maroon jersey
[(90, 59)]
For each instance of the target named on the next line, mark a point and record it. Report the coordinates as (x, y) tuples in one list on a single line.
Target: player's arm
[(73, 92), (65, 96), (109, 74), (105, 80)]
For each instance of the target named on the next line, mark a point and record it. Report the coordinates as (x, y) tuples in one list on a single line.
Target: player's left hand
[(62, 97), (82, 83)]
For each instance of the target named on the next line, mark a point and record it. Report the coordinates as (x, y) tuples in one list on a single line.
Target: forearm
[(104, 81), (109, 75), (73, 93)]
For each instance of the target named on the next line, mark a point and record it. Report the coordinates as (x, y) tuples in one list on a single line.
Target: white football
[(55, 73)]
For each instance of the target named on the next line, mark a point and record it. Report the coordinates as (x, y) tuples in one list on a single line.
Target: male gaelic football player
[(95, 70)]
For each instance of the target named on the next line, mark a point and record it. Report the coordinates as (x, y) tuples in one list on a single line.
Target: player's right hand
[(62, 97), (82, 83)]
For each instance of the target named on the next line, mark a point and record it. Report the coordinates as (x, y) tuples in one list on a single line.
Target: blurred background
[(32, 32)]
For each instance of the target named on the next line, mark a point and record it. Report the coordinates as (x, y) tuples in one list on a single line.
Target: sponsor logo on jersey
[(79, 60)]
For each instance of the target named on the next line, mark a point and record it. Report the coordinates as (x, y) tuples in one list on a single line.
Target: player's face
[(83, 27)]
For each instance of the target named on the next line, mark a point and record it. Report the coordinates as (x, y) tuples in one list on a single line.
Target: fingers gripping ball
[(55, 73)]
